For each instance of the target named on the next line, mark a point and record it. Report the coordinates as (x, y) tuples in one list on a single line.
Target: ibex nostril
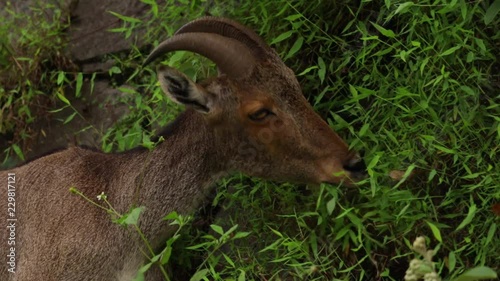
[(355, 165)]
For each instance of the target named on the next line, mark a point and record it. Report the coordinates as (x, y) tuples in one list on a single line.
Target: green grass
[(415, 86)]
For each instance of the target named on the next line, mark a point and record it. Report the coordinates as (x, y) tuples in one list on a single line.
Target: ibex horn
[(231, 56), (231, 29)]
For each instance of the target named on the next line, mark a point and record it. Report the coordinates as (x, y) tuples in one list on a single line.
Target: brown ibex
[(252, 118)]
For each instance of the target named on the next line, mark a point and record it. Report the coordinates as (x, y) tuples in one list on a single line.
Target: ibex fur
[(251, 118)]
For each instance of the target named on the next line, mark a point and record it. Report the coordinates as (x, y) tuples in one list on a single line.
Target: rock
[(91, 21)]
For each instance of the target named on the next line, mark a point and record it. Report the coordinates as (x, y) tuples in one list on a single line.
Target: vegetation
[(414, 84)]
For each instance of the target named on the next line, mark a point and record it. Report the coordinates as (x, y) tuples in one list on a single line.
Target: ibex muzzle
[(252, 118)]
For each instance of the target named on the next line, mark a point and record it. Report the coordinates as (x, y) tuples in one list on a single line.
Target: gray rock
[(91, 21)]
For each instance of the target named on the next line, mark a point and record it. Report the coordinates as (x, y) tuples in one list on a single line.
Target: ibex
[(251, 118)]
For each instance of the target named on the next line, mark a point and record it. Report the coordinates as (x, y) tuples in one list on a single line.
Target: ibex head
[(256, 106)]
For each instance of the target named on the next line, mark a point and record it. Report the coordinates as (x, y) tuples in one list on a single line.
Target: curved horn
[(231, 29), (230, 56)]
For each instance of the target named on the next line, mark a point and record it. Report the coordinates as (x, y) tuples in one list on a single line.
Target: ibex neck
[(178, 173)]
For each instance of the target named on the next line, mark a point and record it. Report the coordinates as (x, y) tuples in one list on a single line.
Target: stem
[(77, 192)]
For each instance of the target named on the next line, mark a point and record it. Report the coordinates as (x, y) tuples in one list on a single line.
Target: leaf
[(330, 206), (60, 77), (432, 174), (282, 37), (403, 8), (423, 64), (171, 216), (386, 32), (374, 161), (18, 151), (229, 260), (480, 44), (469, 217), (165, 257), (307, 70), (477, 273), (444, 149), (452, 261), (70, 117), (115, 70), (492, 12), (241, 234), (296, 47), (450, 51), (217, 229), (242, 277), (491, 233), (63, 98), (341, 233), (79, 83), (322, 69), (133, 216), (145, 268), (435, 231), (199, 275), (125, 18), (364, 129)]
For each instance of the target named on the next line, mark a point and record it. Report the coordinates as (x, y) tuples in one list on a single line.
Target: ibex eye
[(260, 114)]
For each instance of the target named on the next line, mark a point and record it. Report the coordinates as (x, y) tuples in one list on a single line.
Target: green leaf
[(115, 70), (477, 273), (374, 161), (491, 233), (199, 275), (469, 217), (229, 260), (139, 276), (403, 8), (435, 231), (480, 44), (386, 32), (125, 18), (241, 234), (60, 77), (133, 216), (165, 257), (282, 37), (171, 216), (62, 98), (70, 117), (242, 277), (322, 69), (79, 83), (450, 51), (492, 12), (452, 261), (432, 174), (295, 47), (444, 149), (307, 70), (145, 268), (217, 229), (330, 206), (423, 64), (364, 129), (18, 151)]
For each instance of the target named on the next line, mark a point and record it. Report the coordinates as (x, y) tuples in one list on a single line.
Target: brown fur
[(59, 236)]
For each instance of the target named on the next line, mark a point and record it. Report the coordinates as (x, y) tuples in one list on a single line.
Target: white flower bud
[(409, 276), (431, 276), (419, 245)]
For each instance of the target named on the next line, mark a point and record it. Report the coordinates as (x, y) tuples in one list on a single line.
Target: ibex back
[(252, 118)]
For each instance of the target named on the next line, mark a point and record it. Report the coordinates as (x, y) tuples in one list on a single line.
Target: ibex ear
[(183, 90)]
